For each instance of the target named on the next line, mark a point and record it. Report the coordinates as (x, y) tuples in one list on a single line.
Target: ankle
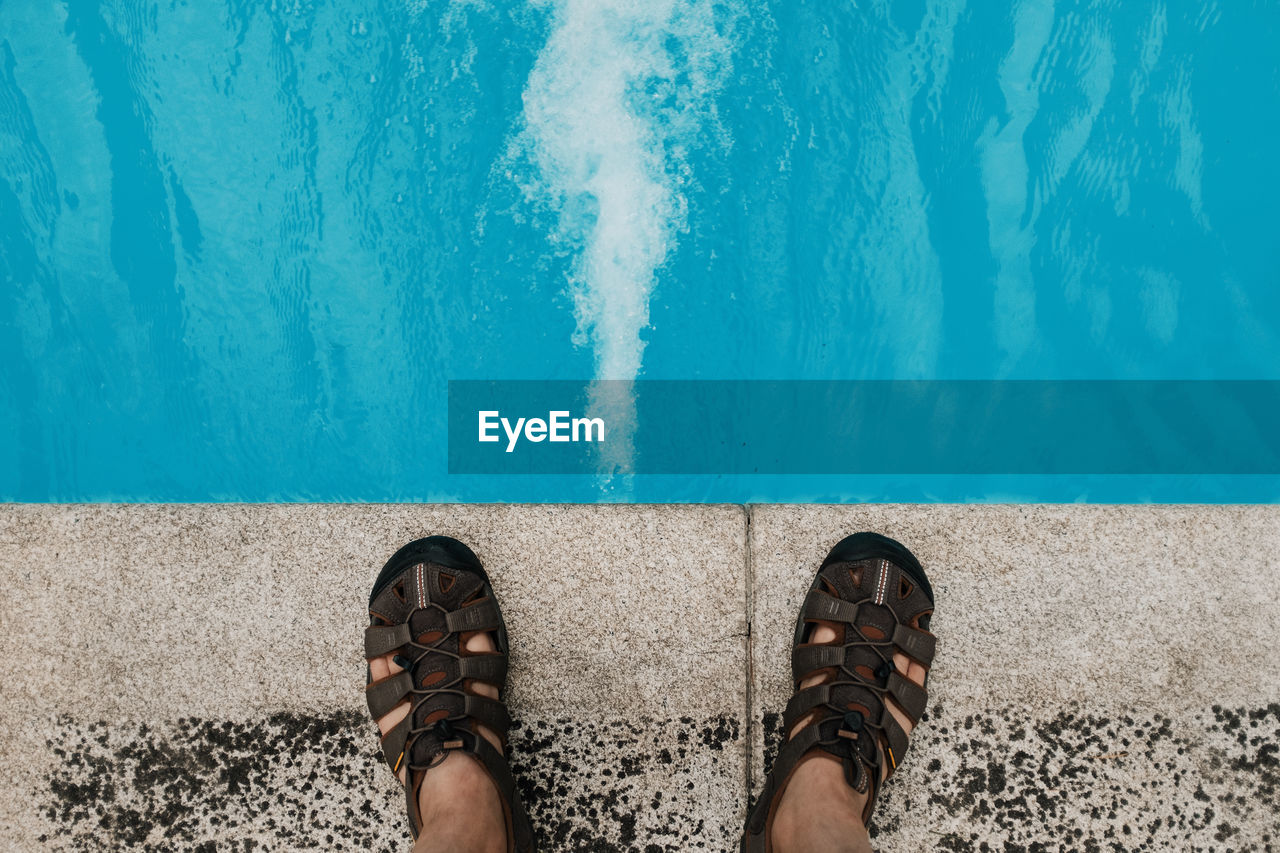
[(819, 812), (460, 809), (819, 829)]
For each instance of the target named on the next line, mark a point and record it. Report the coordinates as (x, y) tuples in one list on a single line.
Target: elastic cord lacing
[(443, 728), (853, 722)]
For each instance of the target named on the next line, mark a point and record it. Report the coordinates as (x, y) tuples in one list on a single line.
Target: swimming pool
[(246, 247)]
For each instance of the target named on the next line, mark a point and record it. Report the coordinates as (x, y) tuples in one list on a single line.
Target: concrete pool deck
[(189, 677)]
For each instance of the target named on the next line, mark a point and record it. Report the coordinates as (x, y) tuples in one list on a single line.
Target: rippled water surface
[(245, 245)]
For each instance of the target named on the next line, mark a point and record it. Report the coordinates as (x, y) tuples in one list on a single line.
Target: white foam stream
[(618, 97)]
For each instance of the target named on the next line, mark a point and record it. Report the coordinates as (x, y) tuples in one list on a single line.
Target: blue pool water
[(244, 246)]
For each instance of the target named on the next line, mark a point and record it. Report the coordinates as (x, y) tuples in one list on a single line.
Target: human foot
[(860, 662), (818, 811), (436, 648), (458, 805)]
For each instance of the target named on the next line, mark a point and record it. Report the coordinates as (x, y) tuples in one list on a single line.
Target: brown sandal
[(429, 598), (873, 592)]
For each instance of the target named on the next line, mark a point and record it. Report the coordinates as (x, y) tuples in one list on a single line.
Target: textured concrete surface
[(179, 676), (189, 677), (1108, 678)]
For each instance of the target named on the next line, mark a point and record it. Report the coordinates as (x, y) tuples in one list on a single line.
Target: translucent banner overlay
[(762, 427)]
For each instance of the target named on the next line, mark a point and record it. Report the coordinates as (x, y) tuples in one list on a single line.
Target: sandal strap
[(485, 711), (393, 743), (488, 712), (383, 639), (803, 702), (490, 668), (911, 697), (823, 606), (897, 740), (806, 660), (384, 695), (476, 617), (915, 644)]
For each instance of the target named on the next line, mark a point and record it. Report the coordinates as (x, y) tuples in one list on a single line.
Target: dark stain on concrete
[(297, 781), (1004, 780), (589, 785), (1076, 781)]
